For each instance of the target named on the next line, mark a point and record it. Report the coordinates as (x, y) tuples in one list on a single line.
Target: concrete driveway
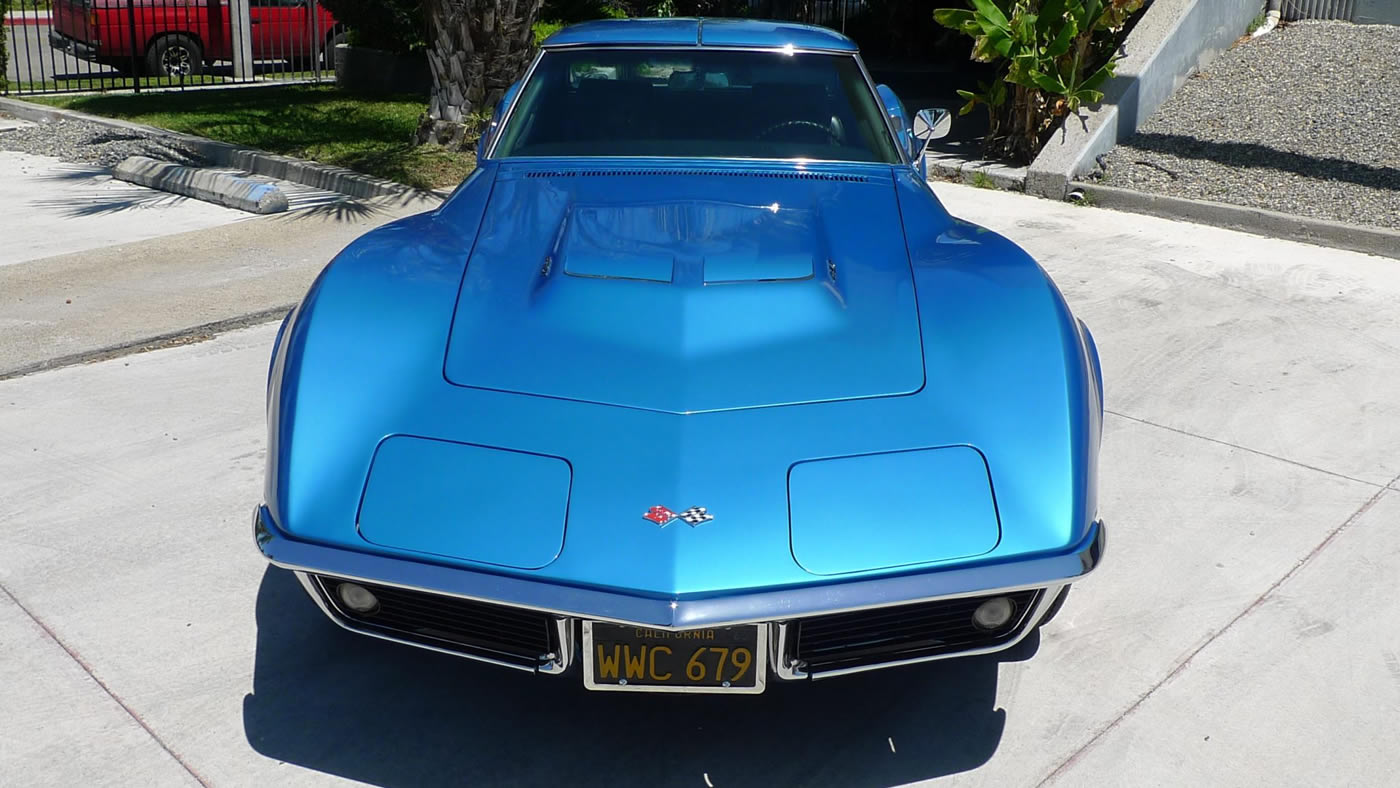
[(1241, 631), (43, 197)]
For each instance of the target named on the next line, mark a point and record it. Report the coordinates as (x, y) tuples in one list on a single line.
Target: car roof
[(685, 31)]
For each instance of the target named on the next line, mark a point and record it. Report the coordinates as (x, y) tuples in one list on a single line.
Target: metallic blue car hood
[(658, 289), (366, 431)]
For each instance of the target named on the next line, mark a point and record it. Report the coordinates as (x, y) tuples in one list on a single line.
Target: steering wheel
[(825, 130)]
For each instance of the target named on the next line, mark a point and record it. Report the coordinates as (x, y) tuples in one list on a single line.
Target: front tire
[(328, 54), (175, 56)]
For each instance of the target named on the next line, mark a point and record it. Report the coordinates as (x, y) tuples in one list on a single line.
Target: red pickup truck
[(181, 37)]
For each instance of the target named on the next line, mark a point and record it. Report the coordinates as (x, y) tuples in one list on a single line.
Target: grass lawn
[(369, 134)]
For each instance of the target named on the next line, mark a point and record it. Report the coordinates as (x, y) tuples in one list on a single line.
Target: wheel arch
[(190, 34)]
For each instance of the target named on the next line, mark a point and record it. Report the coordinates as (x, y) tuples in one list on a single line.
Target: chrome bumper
[(776, 609), (677, 613), (79, 49)]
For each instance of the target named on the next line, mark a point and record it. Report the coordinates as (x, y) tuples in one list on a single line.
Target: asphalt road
[(33, 60), (1240, 632)]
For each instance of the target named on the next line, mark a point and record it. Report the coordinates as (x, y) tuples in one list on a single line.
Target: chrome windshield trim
[(860, 63), (779, 50), (676, 613), (501, 127), (889, 121), (600, 162)]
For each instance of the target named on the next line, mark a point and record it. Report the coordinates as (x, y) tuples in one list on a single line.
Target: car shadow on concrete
[(391, 715)]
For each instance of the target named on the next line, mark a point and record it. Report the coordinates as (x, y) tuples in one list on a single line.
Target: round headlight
[(994, 613), (357, 597)]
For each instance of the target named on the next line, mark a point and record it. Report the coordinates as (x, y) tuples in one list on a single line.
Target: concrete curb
[(223, 154), (223, 188), (1320, 232), (965, 170)]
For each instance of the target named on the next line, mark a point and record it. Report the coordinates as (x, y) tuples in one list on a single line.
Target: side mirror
[(932, 124), (497, 115)]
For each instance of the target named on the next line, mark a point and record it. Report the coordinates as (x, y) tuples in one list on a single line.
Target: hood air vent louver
[(790, 176)]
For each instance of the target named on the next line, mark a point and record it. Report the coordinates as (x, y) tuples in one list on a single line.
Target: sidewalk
[(85, 302), (53, 207), (27, 18)]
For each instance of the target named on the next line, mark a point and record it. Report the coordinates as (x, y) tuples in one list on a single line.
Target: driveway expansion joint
[(1382, 486), (1181, 666), (87, 669), (184, 336)]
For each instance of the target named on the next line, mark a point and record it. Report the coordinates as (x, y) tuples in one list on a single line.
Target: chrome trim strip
[(676, 613), (760, 680), (785, 670), (563, 659)]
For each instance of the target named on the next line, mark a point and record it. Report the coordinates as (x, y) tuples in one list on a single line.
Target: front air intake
[(496, 633), (905, 632)]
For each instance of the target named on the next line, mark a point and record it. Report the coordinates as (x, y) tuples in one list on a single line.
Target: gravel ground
[(1305, 120), (88, 143)]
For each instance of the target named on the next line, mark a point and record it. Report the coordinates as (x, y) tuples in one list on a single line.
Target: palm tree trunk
[(479, 47)]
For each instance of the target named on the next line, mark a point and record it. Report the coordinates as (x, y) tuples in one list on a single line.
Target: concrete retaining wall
[(1174, 39)]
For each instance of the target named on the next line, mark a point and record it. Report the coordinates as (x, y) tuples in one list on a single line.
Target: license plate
[(723, 659)]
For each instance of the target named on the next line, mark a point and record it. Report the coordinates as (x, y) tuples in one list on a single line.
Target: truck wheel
[(175, 55), (328, 54)]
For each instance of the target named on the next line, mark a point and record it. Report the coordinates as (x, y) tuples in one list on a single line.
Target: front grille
[(891, 634), (495, 632), (779, 174)]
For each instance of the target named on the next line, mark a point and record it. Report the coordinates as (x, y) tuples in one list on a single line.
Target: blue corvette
[(691, 386)]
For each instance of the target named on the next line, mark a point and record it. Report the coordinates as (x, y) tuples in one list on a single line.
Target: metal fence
[(64, 46), (834, 14), (1370, 12)]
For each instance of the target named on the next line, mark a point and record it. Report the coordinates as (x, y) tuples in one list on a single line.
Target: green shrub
[(566, 12), (1052, 57), (543, 30), (4, 51)]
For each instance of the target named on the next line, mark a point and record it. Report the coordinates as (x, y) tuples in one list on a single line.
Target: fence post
[(135, 45), (319, 55), (241, 38)]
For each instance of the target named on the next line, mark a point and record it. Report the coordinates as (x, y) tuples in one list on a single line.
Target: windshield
[(697, 103)]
